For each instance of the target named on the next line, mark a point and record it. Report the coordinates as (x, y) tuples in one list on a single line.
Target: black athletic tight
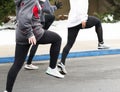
[(48, 21), (21, 53), (73, 32), (55, 39)]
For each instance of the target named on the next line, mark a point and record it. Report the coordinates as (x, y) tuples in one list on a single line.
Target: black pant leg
[(72, 34), (55, 40), (93, 21), (32, 53), (20, 55), (49, 19)]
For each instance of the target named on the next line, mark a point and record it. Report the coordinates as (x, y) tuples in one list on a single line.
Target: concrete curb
[(70, 55)]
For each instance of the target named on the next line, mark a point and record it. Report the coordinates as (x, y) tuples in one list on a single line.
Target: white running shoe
[(54, 72), (31, 67), (102, 46), (62, 67)]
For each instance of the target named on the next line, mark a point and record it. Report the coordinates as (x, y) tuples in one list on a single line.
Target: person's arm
[(50, 9), (83, 13), (57, 5), (26, 23), (47, 7), (27, 30)]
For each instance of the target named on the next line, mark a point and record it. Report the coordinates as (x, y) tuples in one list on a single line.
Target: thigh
[(72, 33), (49, 17), (21, 53), (49, 37), (92, 21)]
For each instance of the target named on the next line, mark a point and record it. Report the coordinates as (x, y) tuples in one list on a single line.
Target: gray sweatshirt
[(28, 18)]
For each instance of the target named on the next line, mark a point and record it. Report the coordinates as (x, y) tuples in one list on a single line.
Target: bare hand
[(83, 24), (32, 40)]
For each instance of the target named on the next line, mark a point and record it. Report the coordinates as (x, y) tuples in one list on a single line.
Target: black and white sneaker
[(61, 66), (54, 72), (103, 46)]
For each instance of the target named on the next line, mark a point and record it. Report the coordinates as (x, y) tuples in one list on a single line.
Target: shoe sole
[(54, 76), (103, 48), (30, 69)]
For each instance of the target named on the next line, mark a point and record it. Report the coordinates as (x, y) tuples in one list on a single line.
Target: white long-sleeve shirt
[(78, 12)]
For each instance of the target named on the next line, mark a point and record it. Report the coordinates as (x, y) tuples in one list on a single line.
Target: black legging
[(48, 21), (21, 53), (73, 32)]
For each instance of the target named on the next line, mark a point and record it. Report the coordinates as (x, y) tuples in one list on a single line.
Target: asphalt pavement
[(85, 74)]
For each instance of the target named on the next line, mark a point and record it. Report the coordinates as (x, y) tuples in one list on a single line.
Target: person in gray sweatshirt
[(46, 19), (29, 32)]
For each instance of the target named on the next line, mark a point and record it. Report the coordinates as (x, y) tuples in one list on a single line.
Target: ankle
[(101, 42)]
